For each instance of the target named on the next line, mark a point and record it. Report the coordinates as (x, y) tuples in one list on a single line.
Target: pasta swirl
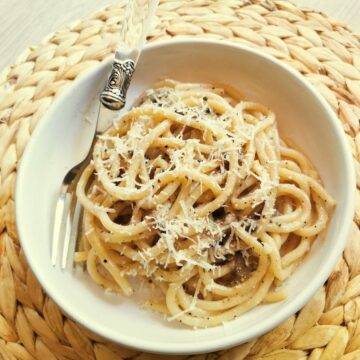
[(194, 190)]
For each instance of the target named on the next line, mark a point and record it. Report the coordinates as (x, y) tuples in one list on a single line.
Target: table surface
[(26, 22)]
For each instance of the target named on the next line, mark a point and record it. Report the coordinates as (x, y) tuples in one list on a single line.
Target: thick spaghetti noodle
[(194, 191)]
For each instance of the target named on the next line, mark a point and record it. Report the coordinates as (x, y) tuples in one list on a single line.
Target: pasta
[(194, 191)]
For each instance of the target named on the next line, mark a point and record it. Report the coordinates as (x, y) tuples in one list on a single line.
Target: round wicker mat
[(322, 49)]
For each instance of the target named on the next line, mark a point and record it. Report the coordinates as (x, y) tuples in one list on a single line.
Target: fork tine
[(61, 211), (67, 227), (71, 239)]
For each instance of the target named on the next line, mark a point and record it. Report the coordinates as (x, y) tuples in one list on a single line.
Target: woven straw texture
[(322, 49)]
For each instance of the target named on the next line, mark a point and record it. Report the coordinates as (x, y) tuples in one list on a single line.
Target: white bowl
[(303, 116)]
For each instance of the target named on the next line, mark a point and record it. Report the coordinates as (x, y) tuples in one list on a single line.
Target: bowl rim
[(229, 340)]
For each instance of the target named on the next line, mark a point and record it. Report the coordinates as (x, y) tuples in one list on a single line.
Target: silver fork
[(68, 211)]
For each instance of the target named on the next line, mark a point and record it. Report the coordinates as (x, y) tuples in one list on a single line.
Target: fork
[(68, 210)]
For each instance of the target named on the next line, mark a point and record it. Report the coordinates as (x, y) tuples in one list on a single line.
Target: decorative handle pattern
[(114, 93), (136, 22)]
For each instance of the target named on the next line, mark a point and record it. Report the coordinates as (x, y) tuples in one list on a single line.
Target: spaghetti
[(194, 191)]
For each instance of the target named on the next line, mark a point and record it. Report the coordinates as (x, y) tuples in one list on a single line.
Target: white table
[(25, 22)]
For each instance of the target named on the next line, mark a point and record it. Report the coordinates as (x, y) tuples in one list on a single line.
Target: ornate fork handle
[(136, 23), (114, 93)]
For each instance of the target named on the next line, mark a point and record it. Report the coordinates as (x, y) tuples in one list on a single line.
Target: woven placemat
[(325, 51)]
